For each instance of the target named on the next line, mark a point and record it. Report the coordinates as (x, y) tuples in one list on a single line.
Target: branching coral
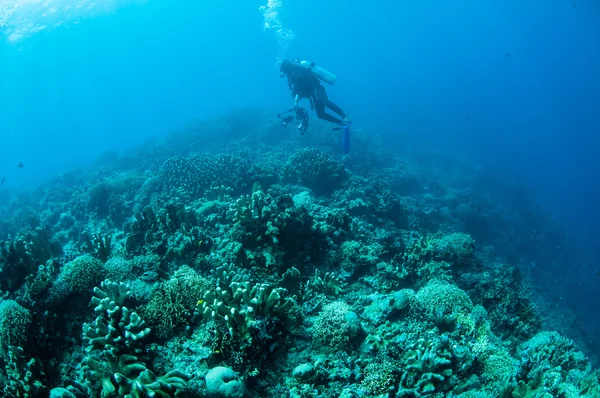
[(239, 303), (251, 209), (21, 257), (429, 366), (330, 283), (22, 375), (337, 327), (115, 349), (172, 304)]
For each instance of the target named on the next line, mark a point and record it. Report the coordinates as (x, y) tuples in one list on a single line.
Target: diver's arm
[(296, 99)]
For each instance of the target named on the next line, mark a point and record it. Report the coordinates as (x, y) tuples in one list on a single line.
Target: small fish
[(507, 55), (20, 165), (2, 183), (589, 263), (530, 213)]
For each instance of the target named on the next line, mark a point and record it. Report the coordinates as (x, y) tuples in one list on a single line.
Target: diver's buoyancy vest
[(319, 72)]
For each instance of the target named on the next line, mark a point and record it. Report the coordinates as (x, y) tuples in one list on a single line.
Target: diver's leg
[(322, 96), (321, 101), (334, 107), (321, 114)]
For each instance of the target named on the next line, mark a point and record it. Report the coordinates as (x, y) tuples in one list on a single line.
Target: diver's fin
[(345, 137)]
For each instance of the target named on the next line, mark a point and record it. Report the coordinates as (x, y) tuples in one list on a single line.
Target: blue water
[(512, 85)]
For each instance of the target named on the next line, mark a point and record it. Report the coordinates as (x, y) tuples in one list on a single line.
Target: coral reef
[(226, 260)]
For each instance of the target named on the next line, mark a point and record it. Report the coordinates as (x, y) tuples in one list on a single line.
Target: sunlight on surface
[(21, 19)]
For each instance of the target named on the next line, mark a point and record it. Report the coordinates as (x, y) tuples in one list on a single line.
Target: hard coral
[(315, 169), (115, 349), (337, 327), (77, 276), (240, 304), (173, 303), (14, 324)]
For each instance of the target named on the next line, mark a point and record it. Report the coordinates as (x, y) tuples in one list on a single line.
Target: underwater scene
[(285, 198)]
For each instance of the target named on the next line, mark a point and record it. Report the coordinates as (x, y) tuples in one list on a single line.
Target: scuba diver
[(304, 81)]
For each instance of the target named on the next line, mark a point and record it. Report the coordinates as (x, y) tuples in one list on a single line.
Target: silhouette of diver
[(304, 81)]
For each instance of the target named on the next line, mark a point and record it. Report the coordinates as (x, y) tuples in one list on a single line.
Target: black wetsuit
[(305, 85)]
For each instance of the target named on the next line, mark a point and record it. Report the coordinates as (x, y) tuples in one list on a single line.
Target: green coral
[(337, 326), (430, 365), (457, 249), (239, 303), (115, 349), (440, 299), (171, 305), (251, 209), (78, 276), (22, 375), (380, 377), (21, 257), (551, 366), (14, 324), (553, 350), (329, 283)]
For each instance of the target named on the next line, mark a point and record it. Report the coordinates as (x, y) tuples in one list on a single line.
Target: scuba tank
[(319, 72)]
